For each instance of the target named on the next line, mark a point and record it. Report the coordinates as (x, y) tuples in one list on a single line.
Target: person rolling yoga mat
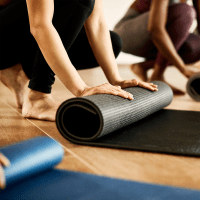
[(141, 124), (193, 87), (39, 155)]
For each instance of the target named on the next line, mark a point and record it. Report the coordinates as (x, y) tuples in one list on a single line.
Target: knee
[(116, 43), (187, 12)]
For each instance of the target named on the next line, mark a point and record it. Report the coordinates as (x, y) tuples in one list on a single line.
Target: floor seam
[(68, 150)]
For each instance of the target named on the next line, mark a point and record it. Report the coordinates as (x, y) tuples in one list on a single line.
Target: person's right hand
[(107, 88), (3, 162)]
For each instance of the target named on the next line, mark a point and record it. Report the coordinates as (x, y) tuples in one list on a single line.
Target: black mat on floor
[(141, 124)]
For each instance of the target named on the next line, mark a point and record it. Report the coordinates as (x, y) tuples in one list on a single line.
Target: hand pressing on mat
[(106, 88), (3, 162), (135, 82)]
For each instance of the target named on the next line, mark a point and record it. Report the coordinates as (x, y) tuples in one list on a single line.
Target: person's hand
[(107, 88), (3, 162), (135, 82)]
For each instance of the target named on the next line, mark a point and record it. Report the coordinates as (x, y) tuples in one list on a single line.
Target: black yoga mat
[(141, 124), (32, 176), (193, 87)]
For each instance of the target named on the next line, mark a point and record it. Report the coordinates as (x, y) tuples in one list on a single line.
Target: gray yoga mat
[(141, 124), (193, 87)]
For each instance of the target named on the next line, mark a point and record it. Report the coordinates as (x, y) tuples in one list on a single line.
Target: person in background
[(159, 31)]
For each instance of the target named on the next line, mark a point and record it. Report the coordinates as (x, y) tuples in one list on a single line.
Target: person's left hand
[(135, 82), (3, 162)]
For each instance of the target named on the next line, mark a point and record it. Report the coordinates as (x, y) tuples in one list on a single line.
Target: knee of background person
[(88, 3), (186, 12), (116, 43)]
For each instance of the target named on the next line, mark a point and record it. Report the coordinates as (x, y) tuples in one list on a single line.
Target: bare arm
[(100, 42), (40, 18), (196, 4), (160, 37)]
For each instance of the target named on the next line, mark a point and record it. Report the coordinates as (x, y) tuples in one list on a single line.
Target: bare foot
[(140, 71), (175, 90), (38, 105), (15, 79)]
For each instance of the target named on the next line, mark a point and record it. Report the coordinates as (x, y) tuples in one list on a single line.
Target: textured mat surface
[(141, 124), (91, 117), (59, 184), (193, 87), (64, 185)]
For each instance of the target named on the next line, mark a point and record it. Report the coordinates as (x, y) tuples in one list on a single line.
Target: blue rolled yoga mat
[(31, 157), (34, 178), (31, 176)]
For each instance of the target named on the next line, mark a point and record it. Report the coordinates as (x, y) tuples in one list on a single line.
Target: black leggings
[(17, 45)]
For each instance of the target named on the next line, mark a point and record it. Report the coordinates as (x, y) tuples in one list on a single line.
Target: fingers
[(135, 82), (2, 178), (3, 162), (110, 89), (149, 86), (116, 90)]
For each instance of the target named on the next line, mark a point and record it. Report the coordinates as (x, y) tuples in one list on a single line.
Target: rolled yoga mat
[(31, 157), (193, 87), (48, 183), (141, 124)]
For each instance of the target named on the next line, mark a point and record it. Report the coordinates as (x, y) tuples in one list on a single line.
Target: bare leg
[(38, 105), (15, 79), (158, 76), (140, 69)]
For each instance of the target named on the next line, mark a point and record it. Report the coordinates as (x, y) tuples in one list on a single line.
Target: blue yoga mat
[(55, 184)]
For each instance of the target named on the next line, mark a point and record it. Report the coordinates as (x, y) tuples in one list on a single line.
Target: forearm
[(100, 42), (165, 46), (196, 4), (57, 58)]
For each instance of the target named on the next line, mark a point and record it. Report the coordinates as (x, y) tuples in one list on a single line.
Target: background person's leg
[(132, 28), (136, 39), (180, 19), (190, 50)]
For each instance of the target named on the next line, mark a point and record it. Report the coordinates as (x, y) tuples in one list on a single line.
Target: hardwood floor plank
[(146, 167)]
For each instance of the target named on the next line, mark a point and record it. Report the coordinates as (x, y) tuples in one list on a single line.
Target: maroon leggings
[(132, 28), (180, 19)]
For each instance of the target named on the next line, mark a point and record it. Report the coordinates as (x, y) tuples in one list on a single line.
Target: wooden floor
[(125, 164)]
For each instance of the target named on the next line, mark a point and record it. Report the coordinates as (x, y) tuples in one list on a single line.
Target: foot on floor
[(140, 71), (15, 79), (38, 105), (175, 90)]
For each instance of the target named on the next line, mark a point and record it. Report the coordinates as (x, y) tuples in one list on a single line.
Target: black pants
[(17, 45)]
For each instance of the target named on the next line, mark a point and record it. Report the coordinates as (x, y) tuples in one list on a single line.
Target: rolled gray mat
[(88, 118), (193, 87)]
